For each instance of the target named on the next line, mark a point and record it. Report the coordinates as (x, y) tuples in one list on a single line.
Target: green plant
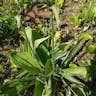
[(7, 25), (39, 59), (45, 64), (86, 14), (76, 20)]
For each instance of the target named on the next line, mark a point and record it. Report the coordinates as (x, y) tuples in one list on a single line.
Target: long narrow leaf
[(17, 84), (28, 32), (38, 88), (74, 50), (56, 14), (73, 80)]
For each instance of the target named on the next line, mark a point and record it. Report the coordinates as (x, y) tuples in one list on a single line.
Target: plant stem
[(52, 41)]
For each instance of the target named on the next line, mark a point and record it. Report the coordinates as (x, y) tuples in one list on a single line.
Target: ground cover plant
[(51, 48)]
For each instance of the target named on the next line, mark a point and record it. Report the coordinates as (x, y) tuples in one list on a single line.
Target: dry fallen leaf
[(43, 13), (31, 14)]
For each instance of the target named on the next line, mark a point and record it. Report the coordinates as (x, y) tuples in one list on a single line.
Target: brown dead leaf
[(35, 12), (43, 14), (31, 14)]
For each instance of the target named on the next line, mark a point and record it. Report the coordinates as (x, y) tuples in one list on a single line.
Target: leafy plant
[(91, 48), (43, 69), (76, 20), (46, 63), (87, 14), (7, 26)]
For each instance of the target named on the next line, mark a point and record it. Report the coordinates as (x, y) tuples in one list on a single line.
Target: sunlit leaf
[(86, 36), (28, 32), (56, 14), (57, 37), (59, 3), (76, 20), (79, 71), (73, 80), (39, 41), (91, 48), (26, 61), (72, 65), (94, 9)]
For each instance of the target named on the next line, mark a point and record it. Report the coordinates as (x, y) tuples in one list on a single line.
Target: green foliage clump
[(4, 29), (7, 26)]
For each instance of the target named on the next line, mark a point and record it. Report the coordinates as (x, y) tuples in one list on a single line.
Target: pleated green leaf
[(25, 61), (78, 71)]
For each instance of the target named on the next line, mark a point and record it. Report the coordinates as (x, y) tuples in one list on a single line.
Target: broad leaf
[(78, 71), (86, 36), (91, 48), (26, 61)]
